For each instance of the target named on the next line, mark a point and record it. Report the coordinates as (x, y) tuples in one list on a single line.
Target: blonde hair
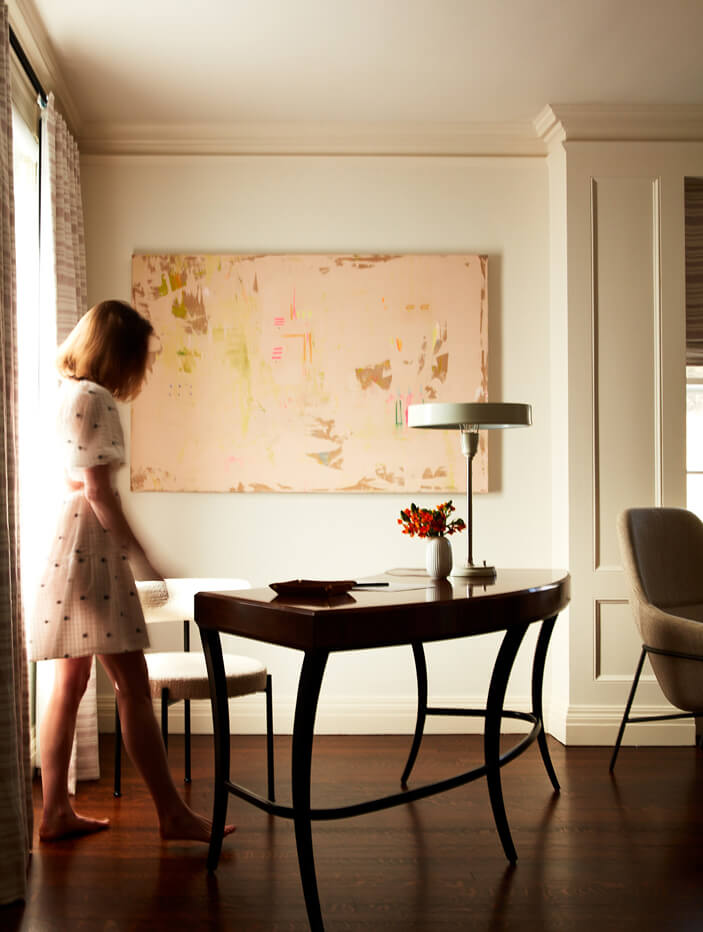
[(109, 345)]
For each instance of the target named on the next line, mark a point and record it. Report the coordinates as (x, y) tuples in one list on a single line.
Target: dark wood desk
[(381, 618)]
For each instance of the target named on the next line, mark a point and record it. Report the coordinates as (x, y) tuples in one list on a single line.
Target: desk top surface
[(411, 608)]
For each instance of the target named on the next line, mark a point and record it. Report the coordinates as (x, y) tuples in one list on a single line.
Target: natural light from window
[(26, 184), (694, 439)]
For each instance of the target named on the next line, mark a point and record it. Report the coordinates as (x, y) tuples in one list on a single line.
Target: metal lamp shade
[(470, 418)]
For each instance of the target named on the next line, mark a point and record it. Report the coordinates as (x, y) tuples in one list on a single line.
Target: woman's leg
[(56, 740), (145, 746)]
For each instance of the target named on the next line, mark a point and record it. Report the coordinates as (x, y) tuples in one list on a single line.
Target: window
[(26, 185), (693, 198), (694, 439)]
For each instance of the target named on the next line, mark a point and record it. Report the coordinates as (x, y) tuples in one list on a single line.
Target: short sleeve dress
[(87, 601)]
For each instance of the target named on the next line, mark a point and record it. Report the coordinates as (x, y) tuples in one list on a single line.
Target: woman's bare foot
[(70, 825), (189, 826)]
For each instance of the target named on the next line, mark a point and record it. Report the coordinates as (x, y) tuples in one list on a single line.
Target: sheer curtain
[(15, 774), (63, 298)]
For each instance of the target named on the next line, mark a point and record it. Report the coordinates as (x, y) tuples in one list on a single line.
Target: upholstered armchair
[(662, 553)]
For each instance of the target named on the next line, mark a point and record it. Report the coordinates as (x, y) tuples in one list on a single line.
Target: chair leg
[(186, 729), (164, 716), (186, 707), (626, 714), (117, 791), (269, 738)]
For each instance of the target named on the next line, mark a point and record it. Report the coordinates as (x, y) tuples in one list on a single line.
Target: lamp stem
[(470, 508), (469, 446)]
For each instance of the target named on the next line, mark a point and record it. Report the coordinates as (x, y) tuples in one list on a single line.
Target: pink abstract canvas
[(293, 373)]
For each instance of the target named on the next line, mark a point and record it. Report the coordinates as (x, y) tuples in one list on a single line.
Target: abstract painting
[(293, 373)]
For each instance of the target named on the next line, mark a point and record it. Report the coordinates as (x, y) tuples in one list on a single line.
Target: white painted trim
[(552, 126), (584, 725), (598, 726), (594, 362), (299, 138), (580, 725), (622, 122), (658, 326), (549, 128), (343, 716)]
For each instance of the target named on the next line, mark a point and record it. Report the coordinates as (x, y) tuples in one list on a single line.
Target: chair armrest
[(666, 630)]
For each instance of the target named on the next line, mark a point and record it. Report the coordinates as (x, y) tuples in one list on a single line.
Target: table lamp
[(469, 418)]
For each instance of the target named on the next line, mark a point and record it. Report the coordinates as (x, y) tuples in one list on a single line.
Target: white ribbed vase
[(438, 557)]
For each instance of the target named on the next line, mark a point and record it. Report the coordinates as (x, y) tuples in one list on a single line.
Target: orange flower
[(430, 522)]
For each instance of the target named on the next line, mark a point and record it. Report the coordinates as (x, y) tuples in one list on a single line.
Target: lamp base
[(470, 571)]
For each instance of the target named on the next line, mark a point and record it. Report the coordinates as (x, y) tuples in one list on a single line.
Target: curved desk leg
[(491, 737), (303, 734), (421, 671), (212, 648), (545, 634)]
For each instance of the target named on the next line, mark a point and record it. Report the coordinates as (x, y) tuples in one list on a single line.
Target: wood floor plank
[(606, 854)]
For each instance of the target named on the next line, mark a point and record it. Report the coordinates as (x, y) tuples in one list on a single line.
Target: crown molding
[(33, 38), (299, 138), (554, 125), (549, 128), (620, 122)]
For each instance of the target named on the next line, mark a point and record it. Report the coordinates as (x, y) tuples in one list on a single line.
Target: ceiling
[(497, 62)]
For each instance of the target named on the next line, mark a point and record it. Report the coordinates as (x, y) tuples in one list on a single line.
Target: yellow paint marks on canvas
[(187, 359), (238, 356)]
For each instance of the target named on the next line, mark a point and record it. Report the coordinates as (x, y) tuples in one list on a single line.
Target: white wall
[(497, 206)]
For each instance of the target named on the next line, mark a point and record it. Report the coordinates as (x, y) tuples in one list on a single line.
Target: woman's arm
[(108, 510)]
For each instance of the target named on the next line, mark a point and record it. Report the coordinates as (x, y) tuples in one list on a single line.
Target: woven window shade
[(693, 194)]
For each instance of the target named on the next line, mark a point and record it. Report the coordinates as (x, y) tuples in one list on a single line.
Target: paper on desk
[(392, 587)]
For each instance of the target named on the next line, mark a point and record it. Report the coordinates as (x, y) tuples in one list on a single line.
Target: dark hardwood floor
[(606, 854)]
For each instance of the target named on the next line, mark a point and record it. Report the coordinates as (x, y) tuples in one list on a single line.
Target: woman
[(87, 602)]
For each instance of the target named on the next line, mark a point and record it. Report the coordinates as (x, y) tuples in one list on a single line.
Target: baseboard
[(342, 716), (578, 725), (597, 725)]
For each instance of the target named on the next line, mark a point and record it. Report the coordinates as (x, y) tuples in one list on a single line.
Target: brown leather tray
[(313, 586)]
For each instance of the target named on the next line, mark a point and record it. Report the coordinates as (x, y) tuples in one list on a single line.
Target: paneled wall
[(626, 423)]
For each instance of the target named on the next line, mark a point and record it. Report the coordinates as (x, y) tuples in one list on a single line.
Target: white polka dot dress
[(87, 601)]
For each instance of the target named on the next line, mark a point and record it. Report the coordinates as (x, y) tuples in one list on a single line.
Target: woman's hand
[(71, 484), (108, 510)]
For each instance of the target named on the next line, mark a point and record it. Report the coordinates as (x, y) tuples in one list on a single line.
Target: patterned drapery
[(15, 773), (63, 237), (63, 296)]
